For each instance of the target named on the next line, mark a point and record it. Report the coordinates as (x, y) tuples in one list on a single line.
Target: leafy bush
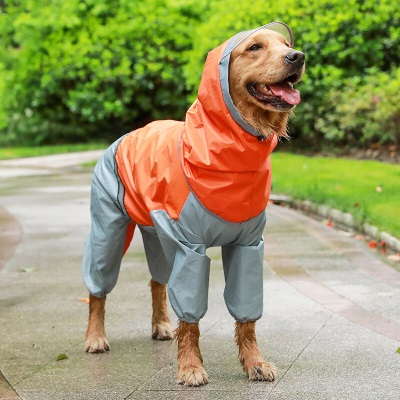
[(84, 69), (365, 111)]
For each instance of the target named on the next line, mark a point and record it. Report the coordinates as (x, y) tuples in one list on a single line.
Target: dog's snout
[(295, 57)]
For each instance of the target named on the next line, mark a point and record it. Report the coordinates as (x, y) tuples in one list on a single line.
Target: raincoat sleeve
[(243, 270), (105, 245), (185, 254)]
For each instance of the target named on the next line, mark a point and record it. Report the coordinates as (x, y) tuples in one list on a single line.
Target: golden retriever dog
[(213, 192), (272, 63)]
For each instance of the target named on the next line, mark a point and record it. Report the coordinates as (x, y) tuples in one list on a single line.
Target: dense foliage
[(365, 111), (81, 69)]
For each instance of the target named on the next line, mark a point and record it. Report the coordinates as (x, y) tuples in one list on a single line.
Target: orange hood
[(226, 165)]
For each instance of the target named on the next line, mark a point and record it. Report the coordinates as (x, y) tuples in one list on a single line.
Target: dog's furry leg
[(96, 339), (161, 324), (190, 362), (253, 364)]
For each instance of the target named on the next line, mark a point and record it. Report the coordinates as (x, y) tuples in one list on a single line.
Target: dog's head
[(263, 68)]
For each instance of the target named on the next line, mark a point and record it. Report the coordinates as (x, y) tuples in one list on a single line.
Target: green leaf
[(31, 269), (62, 356), (398, 350)]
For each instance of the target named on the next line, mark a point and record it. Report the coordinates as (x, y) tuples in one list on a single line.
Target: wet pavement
[(331, 318)]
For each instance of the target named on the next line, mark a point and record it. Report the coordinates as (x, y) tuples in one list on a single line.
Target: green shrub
[(365, 111), (82, 69), (79, 70)]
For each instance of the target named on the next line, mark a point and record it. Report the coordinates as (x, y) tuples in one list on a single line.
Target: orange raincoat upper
[(210, 154)]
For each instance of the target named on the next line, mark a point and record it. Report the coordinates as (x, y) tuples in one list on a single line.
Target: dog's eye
[(255, 47)]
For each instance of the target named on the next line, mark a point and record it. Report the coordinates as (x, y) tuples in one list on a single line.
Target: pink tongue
[(291, 96)]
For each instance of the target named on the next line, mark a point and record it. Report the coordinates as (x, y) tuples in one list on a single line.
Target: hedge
[(80, 70), (83, 69)]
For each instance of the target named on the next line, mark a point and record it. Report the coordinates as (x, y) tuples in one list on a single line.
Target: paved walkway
[(45, 165), (331, 321)]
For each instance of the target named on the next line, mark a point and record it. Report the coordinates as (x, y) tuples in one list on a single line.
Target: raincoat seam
[(120, 183)]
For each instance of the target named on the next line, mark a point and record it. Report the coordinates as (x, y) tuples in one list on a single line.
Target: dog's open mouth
[(281, 95)]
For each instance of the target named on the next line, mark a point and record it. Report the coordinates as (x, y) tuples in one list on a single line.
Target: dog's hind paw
[(162, 331), (97, 345), (261, 371), (192, 376)]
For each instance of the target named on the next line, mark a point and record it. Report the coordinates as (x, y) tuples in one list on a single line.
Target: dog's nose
[(295, 57)]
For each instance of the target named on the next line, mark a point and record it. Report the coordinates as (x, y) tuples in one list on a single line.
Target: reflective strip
[(224, 79)]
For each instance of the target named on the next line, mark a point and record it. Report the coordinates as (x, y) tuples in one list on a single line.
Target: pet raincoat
[(187, 186)]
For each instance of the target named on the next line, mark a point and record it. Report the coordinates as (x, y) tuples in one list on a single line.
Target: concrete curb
[(341, 219)]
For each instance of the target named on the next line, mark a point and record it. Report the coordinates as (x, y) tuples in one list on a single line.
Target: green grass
[(348, 185), (18, 152)]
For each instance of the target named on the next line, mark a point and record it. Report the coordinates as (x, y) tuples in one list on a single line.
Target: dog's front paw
[(162, 331), (192, 376), (97, 345), (261, 371)]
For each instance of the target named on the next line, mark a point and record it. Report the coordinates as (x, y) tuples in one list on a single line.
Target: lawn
[(370, 190), (18, 152)]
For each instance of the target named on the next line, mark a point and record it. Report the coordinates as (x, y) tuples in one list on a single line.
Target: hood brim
[(276, 26)]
